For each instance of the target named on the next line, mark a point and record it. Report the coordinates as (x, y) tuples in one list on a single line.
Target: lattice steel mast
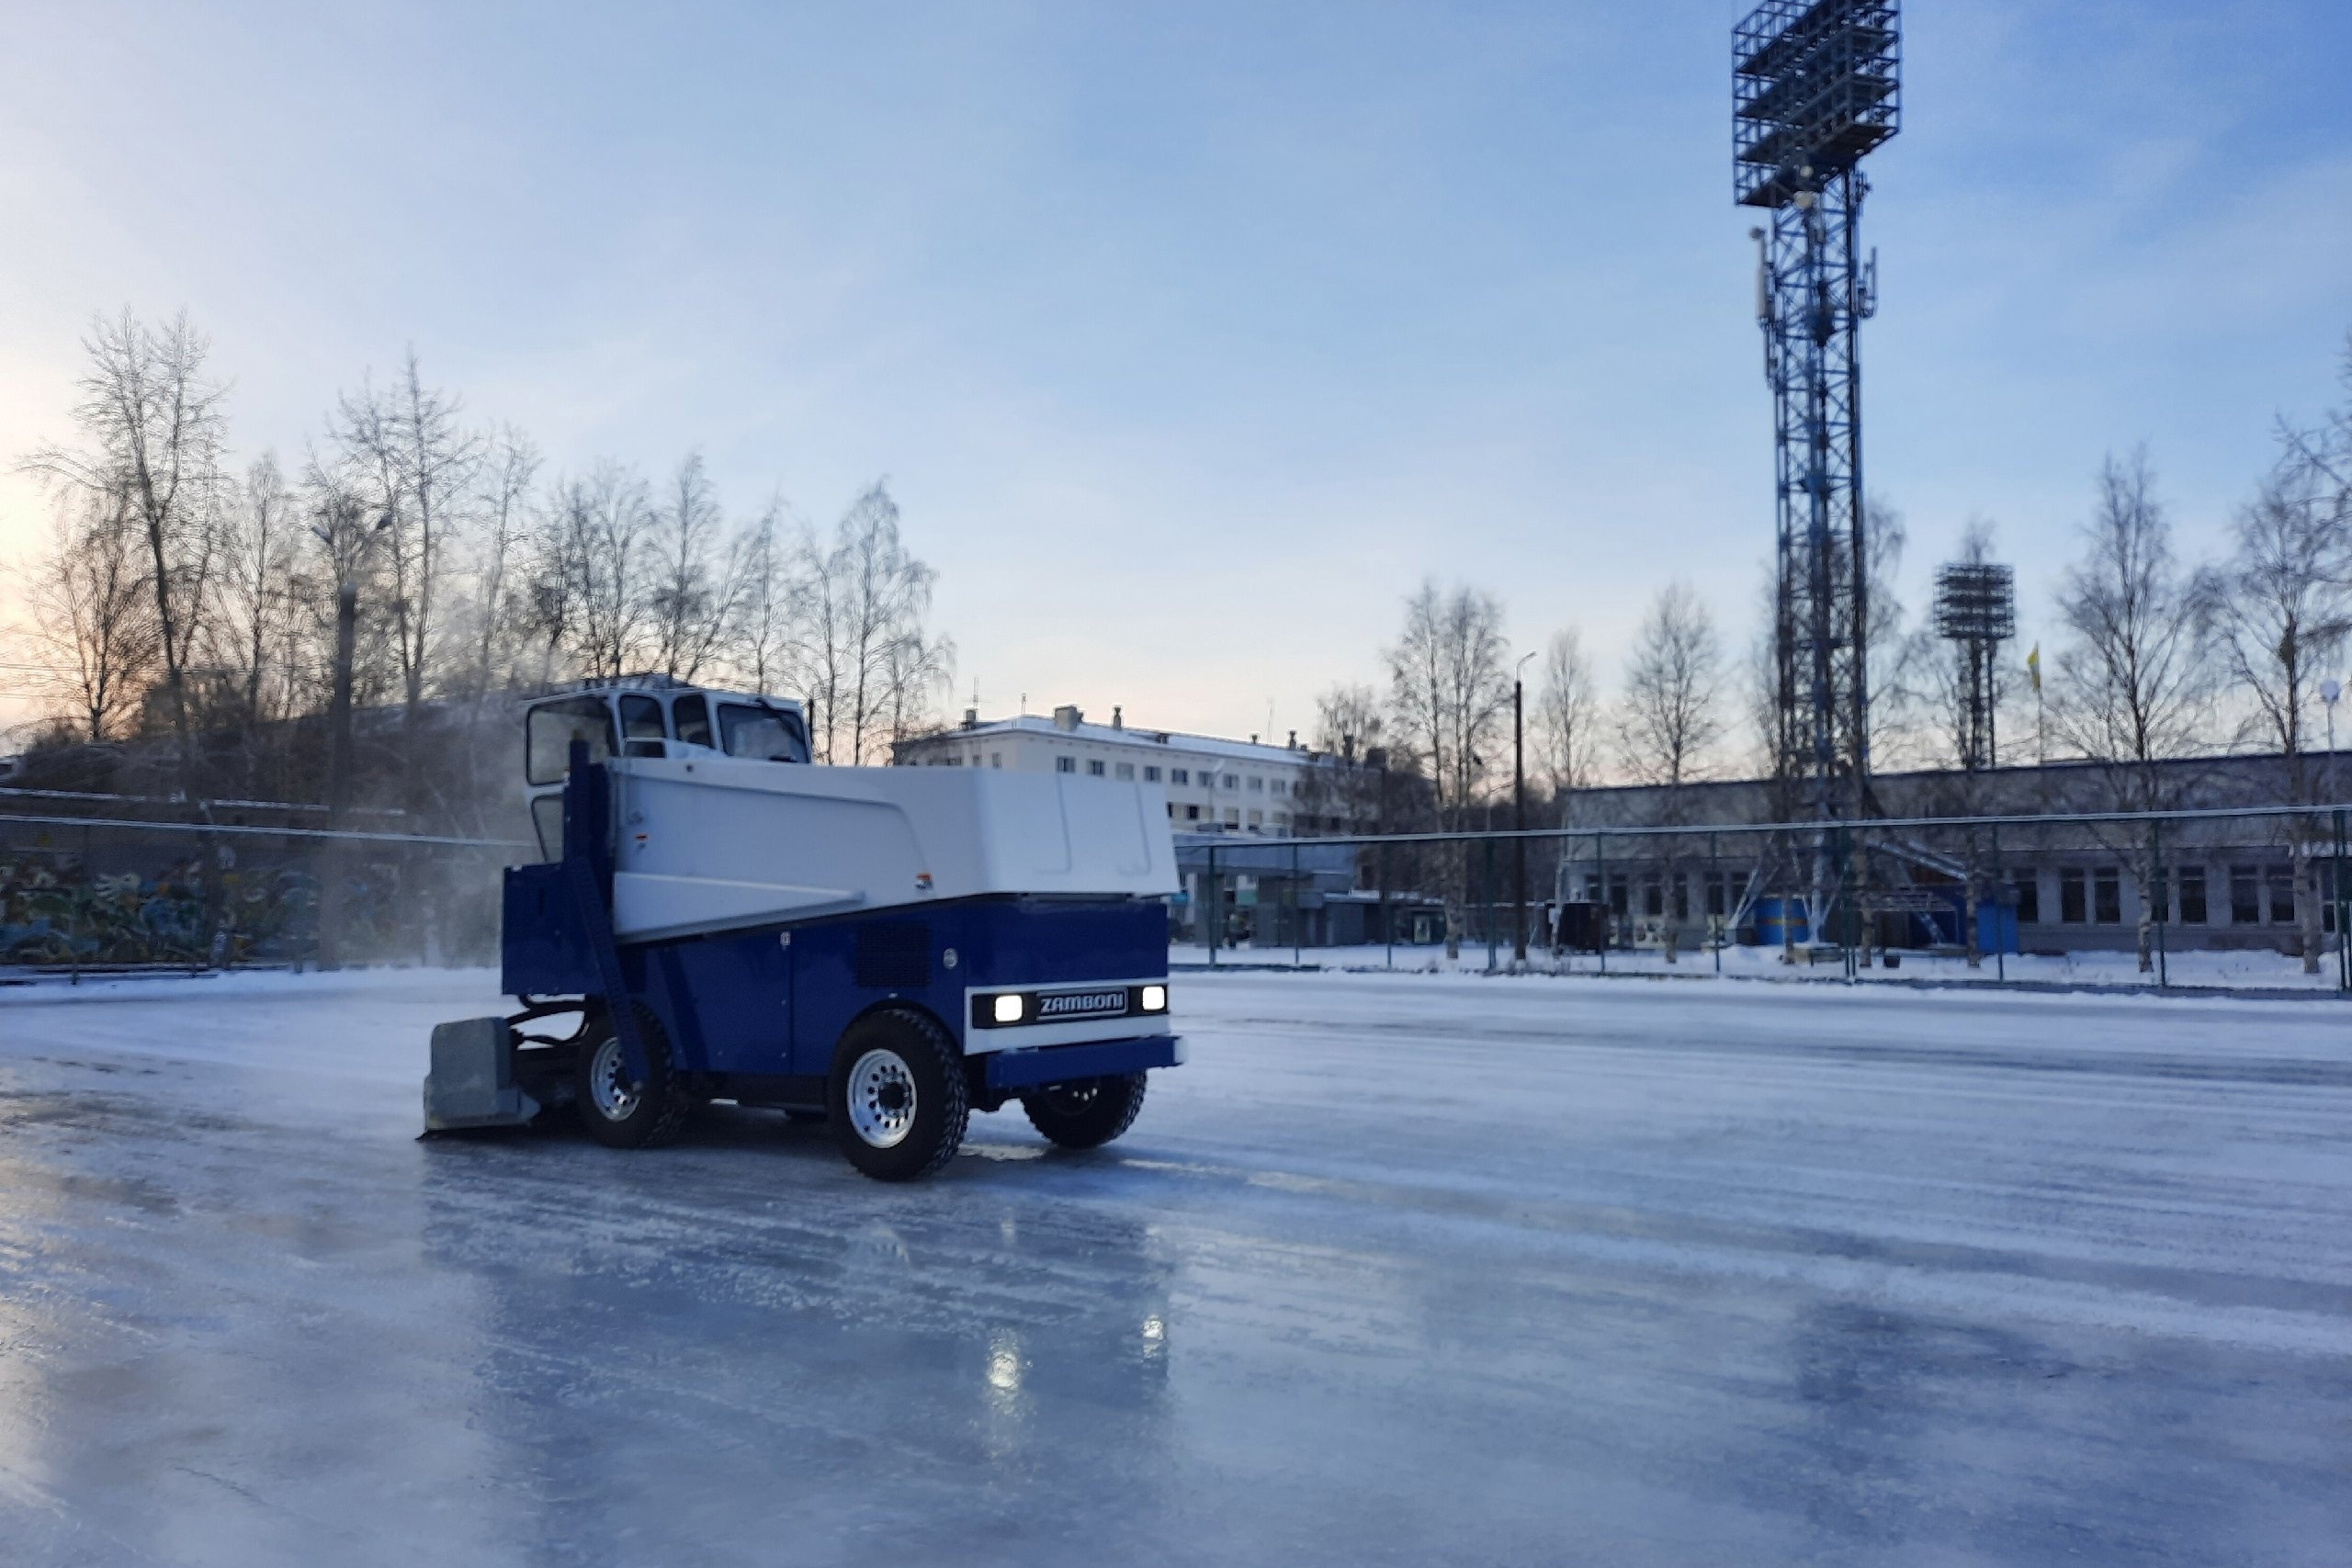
[(1816, 87)]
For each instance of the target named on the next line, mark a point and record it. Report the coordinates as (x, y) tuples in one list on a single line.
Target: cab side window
[(641, 719), (553, 727), (692, 716)]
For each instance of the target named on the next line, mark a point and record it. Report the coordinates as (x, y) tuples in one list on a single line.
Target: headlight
[(1155, 998), (1008, 1009)]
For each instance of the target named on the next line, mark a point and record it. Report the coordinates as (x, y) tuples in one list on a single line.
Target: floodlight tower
[(1976, 608), (1816, 87)]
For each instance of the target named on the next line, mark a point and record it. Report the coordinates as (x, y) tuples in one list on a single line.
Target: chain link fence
[(2251, 898), (89, 895)]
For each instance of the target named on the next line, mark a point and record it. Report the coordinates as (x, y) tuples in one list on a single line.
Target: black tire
[(896, 1097), (1086, 1113), (623, 1116)]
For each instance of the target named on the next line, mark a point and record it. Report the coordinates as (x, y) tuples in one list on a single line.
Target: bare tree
[(2137, 682), (593, 601), (252, 629), (2285, 617), (93, 629), (697, 574), (156, 430), (1449, 688), (510, 467), (1567, 719), (1666, 720), (422, 462), (868, 665), (1342, 791), (773, 600)]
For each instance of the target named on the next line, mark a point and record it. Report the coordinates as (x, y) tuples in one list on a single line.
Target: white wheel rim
[(881, 1099), (615, 1098)]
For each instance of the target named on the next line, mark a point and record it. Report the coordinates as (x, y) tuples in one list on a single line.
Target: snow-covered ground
[(1400, 1269), (2201, 970)]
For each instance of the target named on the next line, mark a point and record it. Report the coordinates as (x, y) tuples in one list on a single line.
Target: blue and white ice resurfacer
[(888, 949)]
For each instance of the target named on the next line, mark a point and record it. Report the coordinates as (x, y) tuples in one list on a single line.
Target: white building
[(1213, 785)]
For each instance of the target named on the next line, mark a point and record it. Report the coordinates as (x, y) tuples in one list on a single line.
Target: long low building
[(1212, 785)]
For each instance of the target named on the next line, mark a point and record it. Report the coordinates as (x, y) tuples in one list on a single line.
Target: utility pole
[(1519, 814)]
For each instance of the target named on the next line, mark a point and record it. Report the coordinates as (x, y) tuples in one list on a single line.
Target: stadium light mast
[(1976, 608), (1816, 87)]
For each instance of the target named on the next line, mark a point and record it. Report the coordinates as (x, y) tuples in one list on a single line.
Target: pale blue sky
[(1191, 336)]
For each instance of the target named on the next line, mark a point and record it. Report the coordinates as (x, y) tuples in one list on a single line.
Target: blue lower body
[(772, 1001)]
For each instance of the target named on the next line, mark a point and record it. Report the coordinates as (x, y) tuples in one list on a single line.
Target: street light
[(2329, 689)]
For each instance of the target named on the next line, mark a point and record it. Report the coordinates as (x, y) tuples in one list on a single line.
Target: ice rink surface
[(1399, 1269)]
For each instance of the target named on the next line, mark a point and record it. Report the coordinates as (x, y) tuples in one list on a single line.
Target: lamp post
[(1519, 814), (2329, 689)]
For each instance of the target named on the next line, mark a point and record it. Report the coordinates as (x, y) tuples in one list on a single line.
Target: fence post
[(1211, 922), (1387, 916), (1297, 914), (2000, 947), (1600, 892), (1714, 880), (2158, 897), (2337, 894)]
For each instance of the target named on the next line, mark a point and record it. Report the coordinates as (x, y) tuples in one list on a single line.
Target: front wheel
[(895, 1099), (622, 1112), (1088, 1113)]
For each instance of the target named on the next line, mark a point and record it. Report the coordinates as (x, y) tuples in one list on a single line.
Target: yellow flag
[(2033, 667)]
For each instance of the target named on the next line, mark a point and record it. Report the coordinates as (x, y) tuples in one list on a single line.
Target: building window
[(1126, 770), (1065, 764), (996, 759), (1179, 775), (1191, 814), (1257, 818), (1231, 782), (1171, 811), (2282, 895), (2071, 907), (2246, 896), (1653, 895), (2028, 886), (1150, 773), (1232, 816), (1094, 768), (1257, 785), (1679, 887), (1718, 893), (2192, 895), (2107, 890)]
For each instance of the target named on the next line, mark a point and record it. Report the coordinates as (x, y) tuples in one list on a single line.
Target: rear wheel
[(1086, 1113), (895, 1099), (618, 1110)]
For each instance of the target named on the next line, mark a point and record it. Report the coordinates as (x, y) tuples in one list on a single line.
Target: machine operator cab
[(647, 715)]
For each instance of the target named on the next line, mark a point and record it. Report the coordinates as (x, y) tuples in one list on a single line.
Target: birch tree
[(1448, 691), (2285, 617), (155, 429), (2137, 680), (696, 573), (869, 666)]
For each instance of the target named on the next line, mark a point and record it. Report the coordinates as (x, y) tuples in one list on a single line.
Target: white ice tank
[(716, 843)]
